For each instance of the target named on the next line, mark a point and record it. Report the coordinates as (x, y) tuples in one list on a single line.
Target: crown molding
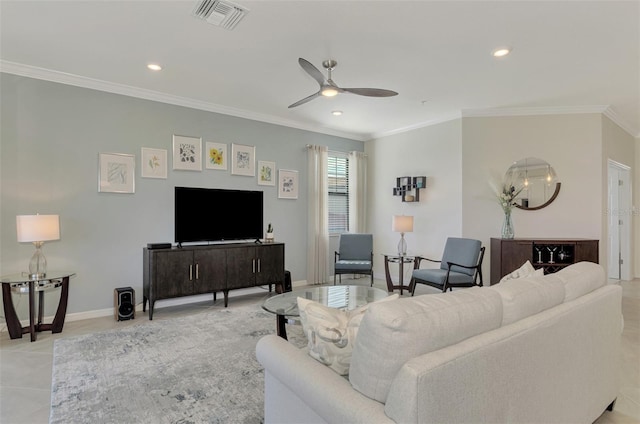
[(419, 125), (611, 114), (602, 109), (125, 90), (525, 111)]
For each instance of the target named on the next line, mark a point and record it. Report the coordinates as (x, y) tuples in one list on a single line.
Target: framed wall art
[(287, 184), (216, 155), (243, 160), (153, 163), (266, 173), (116, 173), (187, 153)]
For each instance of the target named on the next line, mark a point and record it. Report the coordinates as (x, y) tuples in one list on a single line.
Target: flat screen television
[(210, 214)]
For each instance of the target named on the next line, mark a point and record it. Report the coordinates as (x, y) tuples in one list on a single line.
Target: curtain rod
[(337, 151)]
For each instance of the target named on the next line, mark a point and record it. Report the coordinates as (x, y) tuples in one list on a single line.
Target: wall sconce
[(37, 229), (402, 224)]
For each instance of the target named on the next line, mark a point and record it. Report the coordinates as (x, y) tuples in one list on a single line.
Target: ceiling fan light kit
[(328, 88)]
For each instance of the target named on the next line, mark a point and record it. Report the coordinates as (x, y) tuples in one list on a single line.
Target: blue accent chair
[(355, 256), (461, 266)]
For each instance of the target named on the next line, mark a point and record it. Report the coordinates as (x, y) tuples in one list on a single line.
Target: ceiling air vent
[(220, 13)]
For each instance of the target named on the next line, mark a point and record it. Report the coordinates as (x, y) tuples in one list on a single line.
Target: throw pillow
[(525, 270), (331, 333)]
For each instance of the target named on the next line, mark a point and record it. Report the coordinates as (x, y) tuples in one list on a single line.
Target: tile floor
[(25, 367)]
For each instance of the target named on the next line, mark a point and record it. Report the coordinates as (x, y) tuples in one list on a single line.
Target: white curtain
[(357, 192), (318, 230)]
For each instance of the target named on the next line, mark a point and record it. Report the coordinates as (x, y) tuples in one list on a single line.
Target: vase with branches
[(506, 195)]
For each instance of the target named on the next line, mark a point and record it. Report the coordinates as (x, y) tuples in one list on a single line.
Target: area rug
[(194, 369)]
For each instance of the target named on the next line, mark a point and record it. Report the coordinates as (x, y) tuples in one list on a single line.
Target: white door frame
[(619, 209)]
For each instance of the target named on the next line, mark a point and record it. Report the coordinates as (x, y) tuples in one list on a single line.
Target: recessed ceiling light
[(336, 112), (154, 67), (501, 52)]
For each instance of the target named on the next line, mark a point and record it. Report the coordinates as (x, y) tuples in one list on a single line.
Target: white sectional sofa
[(529, 350)]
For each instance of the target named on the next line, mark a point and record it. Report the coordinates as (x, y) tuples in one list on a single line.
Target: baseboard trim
[(99, 313)]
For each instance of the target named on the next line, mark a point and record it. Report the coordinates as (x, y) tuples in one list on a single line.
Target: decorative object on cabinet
[(266, 173), (216, 156), (186, 271), (536, 181), (506, 195), (287, 184), (402, 224), (153, 163), (409, 188), (551, 255), (37, 229), (116, 173), (187, 153), (269, 236), (243, 160)]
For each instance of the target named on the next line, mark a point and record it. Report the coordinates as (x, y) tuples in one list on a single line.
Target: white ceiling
[(568, 56)]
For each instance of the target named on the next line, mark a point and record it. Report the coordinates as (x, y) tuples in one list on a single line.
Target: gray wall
[(51, 135)]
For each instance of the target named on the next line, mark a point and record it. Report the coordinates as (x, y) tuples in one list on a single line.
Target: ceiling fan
[(328, 88)]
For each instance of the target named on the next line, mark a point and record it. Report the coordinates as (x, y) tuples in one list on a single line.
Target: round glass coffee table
[(285, 305)]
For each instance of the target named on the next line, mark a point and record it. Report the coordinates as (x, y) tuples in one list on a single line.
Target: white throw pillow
[(331, 333), (525, 270)]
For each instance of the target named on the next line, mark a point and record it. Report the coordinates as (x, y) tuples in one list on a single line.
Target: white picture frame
[(216, 156), (116, 173), (266, 173), (287, 184), (187, 153), (243, 160), (153, 163)]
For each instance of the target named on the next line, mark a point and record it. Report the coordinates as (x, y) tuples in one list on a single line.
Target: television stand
[(191, 270)]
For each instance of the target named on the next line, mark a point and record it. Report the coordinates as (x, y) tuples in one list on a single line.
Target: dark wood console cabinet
[(507, 255), (190, 270)]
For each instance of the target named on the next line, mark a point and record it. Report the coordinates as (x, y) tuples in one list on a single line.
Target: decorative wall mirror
[(537, 182)]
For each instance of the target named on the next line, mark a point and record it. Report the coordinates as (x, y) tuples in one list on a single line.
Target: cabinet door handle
[(253, 265), (197, 271), (190, 272), (259, 266)]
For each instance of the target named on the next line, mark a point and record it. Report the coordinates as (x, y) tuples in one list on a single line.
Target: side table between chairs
[(400, 260)]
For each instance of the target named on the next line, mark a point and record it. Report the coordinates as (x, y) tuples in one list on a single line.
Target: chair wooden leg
[(334, 278), (372, 279)]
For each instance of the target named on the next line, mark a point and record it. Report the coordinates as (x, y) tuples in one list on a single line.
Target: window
[(338, 183)]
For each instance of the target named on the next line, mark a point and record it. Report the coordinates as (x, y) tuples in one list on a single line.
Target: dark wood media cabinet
[(552, 255), (191, 270)]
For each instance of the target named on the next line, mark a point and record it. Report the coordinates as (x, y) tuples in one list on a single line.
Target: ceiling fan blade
[(371, 92), (312, 70), (305, 100)]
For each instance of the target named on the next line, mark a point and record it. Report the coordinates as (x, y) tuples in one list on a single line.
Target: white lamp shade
[(38, 227), (402, 224)]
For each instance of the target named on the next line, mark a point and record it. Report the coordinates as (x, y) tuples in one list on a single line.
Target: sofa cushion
[(523, 297), (581, 278), (331, 332), (391, 333), (525, 270)]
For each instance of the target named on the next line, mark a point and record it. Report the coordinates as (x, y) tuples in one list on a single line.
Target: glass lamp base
[(402, 245), (38, 264)]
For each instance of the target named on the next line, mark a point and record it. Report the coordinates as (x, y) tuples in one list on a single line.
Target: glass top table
[(340, 297), (22, 283)]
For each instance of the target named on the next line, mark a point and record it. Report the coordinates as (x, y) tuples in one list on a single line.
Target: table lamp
[(402, 224), (37, 229)]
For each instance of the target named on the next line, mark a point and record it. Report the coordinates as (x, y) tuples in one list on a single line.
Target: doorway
[(619, 218)]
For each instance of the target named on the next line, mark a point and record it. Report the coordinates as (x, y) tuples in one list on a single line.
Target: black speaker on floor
[(287, 281), (124, 302)]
